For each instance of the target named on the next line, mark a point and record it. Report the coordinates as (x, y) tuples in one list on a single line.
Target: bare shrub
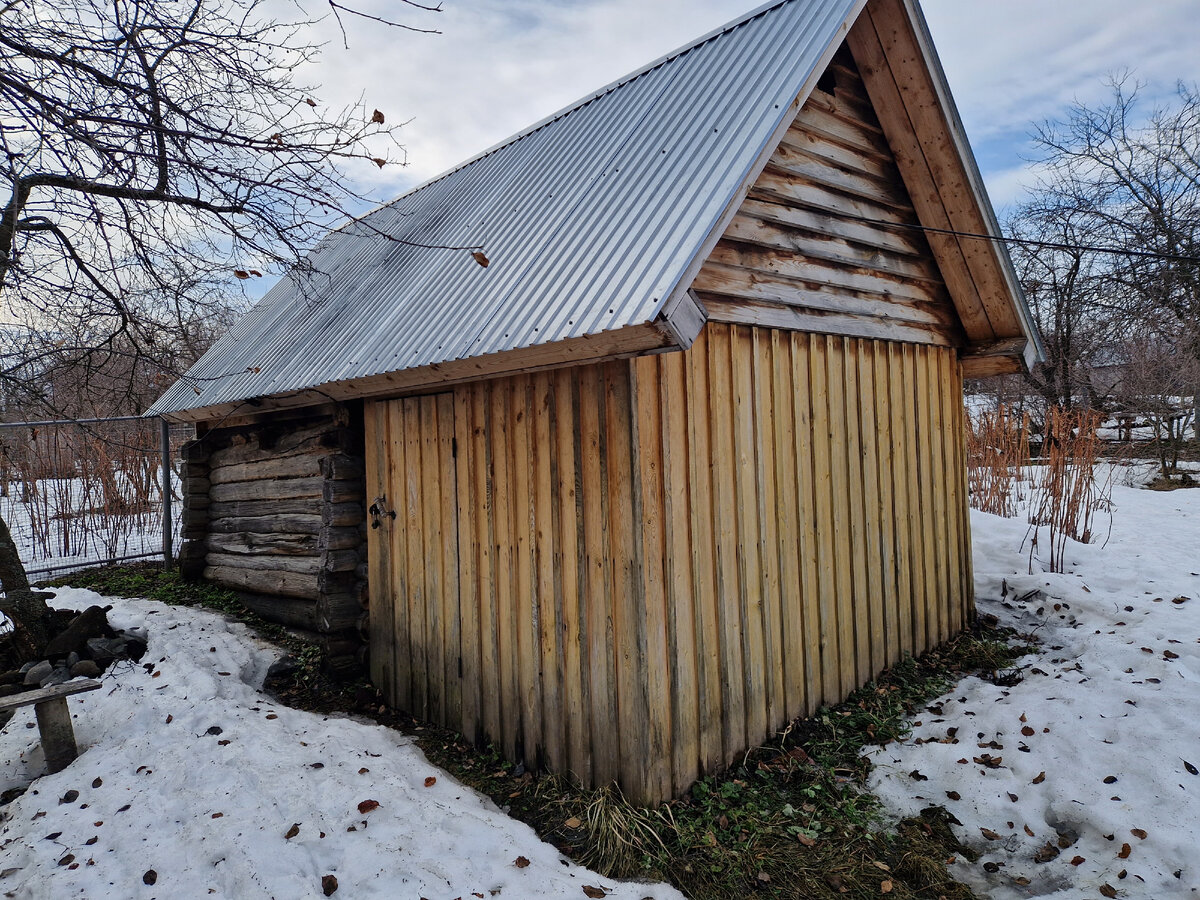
[(1072, 491), (997, 449)]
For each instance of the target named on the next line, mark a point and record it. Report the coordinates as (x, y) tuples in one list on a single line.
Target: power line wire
[(1028, 242)]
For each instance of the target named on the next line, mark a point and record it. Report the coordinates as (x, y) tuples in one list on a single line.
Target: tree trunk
[(25, 607)]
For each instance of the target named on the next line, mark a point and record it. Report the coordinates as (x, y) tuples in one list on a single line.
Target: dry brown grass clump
[(997, 450)]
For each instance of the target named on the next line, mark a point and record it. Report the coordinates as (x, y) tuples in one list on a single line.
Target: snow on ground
[(1109, 712), (187, 769)]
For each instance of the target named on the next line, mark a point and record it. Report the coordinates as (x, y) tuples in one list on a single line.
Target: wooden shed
[(684, 460)]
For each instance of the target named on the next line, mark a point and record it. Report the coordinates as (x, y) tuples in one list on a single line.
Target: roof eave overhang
[(658, 336)]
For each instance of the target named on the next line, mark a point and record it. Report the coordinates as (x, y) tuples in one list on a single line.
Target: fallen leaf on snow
[(1039, 779), (521, 862), (367, 805)]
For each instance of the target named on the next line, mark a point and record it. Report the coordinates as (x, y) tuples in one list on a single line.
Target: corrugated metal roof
[(589, 218)]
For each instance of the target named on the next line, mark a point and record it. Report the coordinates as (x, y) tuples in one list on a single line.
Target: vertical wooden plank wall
[(634, 571), (828, 534)]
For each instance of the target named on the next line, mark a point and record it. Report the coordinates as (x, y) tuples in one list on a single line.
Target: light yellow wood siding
[(636, 570)]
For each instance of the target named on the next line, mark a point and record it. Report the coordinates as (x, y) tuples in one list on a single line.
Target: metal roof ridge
[(579, 104)]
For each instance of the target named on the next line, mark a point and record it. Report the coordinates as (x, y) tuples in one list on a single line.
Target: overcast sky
[(500, 65)]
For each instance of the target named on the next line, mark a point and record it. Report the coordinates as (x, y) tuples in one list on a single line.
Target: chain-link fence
[(82, 492)]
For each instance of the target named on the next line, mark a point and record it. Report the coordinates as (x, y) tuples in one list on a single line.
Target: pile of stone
[(87, 647)]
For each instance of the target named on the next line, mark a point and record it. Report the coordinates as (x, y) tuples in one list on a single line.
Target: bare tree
[(154, 152), (1130, 185)]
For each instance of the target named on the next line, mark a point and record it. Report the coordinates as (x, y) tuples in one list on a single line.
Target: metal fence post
[(168, 550)]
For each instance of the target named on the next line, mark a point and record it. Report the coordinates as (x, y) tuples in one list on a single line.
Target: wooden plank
[(299, 466), (430, 636), (839, 452), (951, 405), (292, 524), (451, 564), (248, 542), (904, 474), (528, 636), (767, 508), (790, 536), (627, 602), (282, 489), (489, 560), (786, 267), (725, 515), (298, 565), (469, 508), (649, 502), (814, 170), (397, 553), (834, 249), (824, 125), (710, 708), (777, 315), (504, 542), (819, 222), (823, 516), (51, 692), (545, 553), (858, 606), (682, 623), (937, 490), (748, 546), (805, 142), (931, 128), (871, 612), (597, 579), (926, 578), (886, 461), (923, 185), (570, 587), (410, 606), (578, 351)]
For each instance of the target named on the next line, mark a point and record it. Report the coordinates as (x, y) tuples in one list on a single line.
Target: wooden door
[(412, 544)]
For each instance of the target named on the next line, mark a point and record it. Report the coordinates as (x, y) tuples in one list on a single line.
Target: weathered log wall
[(276, 512)]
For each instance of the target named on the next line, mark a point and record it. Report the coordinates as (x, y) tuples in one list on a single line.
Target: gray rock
[(285, 665), (7, 690), (85, 668), (72, 658), (57, 676), (35, 673), (105, 650), (25, 668)]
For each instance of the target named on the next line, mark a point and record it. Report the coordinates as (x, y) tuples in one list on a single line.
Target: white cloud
[(500, 65)]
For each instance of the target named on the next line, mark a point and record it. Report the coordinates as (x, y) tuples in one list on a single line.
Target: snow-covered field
[(190, 772), (1082, 780)]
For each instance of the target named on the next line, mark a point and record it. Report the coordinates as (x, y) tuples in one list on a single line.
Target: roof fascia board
[(1034, 351), (633, 340), (671, 301)]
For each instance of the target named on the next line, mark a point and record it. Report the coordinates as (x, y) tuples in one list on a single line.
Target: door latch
[(378, 509)]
